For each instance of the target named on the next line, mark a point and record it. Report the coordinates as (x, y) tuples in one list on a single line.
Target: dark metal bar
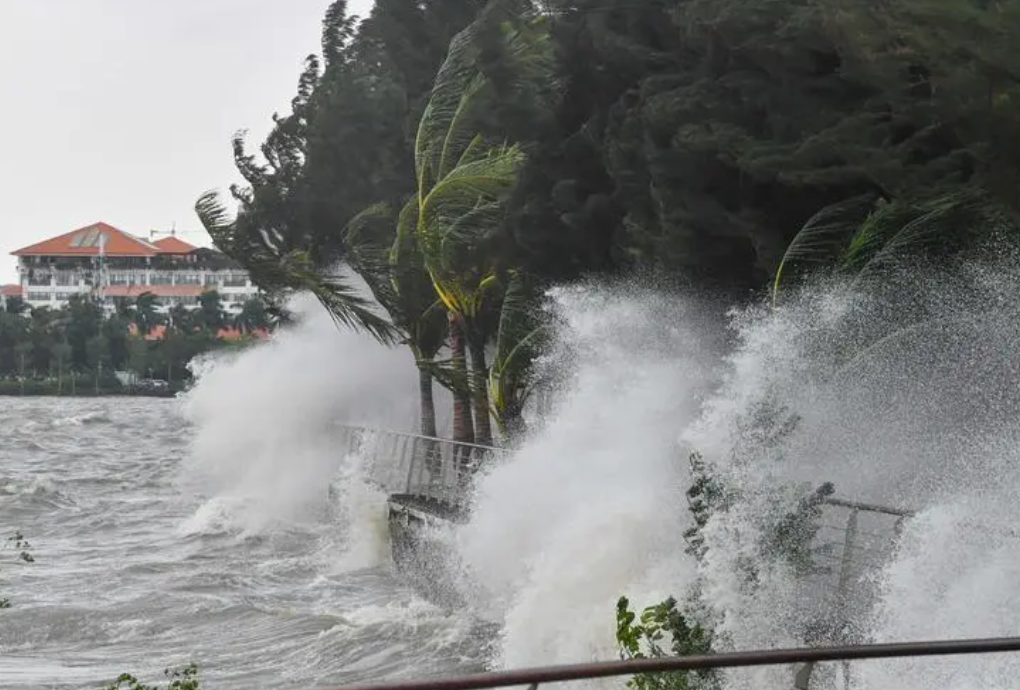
[(552, 674), (868, 507)]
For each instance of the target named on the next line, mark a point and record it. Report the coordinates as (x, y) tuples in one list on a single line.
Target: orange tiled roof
[(86, 242), (158, 290), (10, 291), (174, 245), (232, 333), (229, 333), (155, 333)]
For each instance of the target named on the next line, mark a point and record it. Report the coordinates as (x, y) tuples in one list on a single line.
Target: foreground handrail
[(551, 674)]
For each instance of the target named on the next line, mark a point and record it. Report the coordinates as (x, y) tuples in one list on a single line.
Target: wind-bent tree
[(383, 249), (465, 178)]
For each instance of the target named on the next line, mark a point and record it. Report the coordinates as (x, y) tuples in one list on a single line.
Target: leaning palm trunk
[(429, 445), (428, 403), (463, 428), (480, 391)]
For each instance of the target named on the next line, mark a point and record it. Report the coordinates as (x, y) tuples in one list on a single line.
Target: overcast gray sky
[(122, 110)]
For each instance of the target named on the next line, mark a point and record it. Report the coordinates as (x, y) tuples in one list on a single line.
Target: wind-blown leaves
[(824, 236), (383, 250), (522, 335), (858, 239), (274, 267), (943, 223)]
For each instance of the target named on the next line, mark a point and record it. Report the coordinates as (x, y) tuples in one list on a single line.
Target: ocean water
[(137, 570)]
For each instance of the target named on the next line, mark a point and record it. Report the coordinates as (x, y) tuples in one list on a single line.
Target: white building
[(112, 265)]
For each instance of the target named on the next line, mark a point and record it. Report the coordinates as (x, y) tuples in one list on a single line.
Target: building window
[(125, 279), (38, 279), (67, 279), (38, 296), (189, 279)]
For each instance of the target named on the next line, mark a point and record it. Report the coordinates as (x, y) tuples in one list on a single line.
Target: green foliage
[(705, 496), (864, 237), (521, 337), (185, 678), (791, 538), (659, 625), (78, 349)]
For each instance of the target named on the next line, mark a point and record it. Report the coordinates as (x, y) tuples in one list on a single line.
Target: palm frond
[(477, 186), (457, 82), (880, 225), (450, 376), (337, 296), (449, 126), (276, 269), (943, 220), (216, 220), (823, 236), (521, 336), (368, 238)]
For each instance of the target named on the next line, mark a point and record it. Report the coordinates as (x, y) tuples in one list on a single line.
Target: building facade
[(111, 265)]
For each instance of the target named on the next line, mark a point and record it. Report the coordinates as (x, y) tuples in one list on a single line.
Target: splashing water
[(590, 507), (904, 394), (265, 444)]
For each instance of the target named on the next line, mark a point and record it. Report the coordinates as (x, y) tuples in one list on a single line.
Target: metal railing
[(533, 677), (849, 550), (434, 469)]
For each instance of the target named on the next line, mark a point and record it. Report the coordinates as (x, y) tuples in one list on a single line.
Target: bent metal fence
[(531, 678)]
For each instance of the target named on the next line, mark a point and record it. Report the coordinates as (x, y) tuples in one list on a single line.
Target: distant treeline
[(77, 349)]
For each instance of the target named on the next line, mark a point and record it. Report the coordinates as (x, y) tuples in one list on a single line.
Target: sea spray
[(592, 505), (265, 446), (903, 392)]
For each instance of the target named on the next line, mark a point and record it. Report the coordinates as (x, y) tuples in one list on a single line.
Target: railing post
[(843, 592)]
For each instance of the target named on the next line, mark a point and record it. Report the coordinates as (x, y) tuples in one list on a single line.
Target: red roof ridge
[(85, 241), (173, 245)]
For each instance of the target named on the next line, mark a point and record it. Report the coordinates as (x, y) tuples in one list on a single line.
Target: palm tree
[(521, 336), (464, 180), (383, 249)]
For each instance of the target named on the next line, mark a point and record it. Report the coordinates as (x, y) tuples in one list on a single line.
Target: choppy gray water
[(124, 582)]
